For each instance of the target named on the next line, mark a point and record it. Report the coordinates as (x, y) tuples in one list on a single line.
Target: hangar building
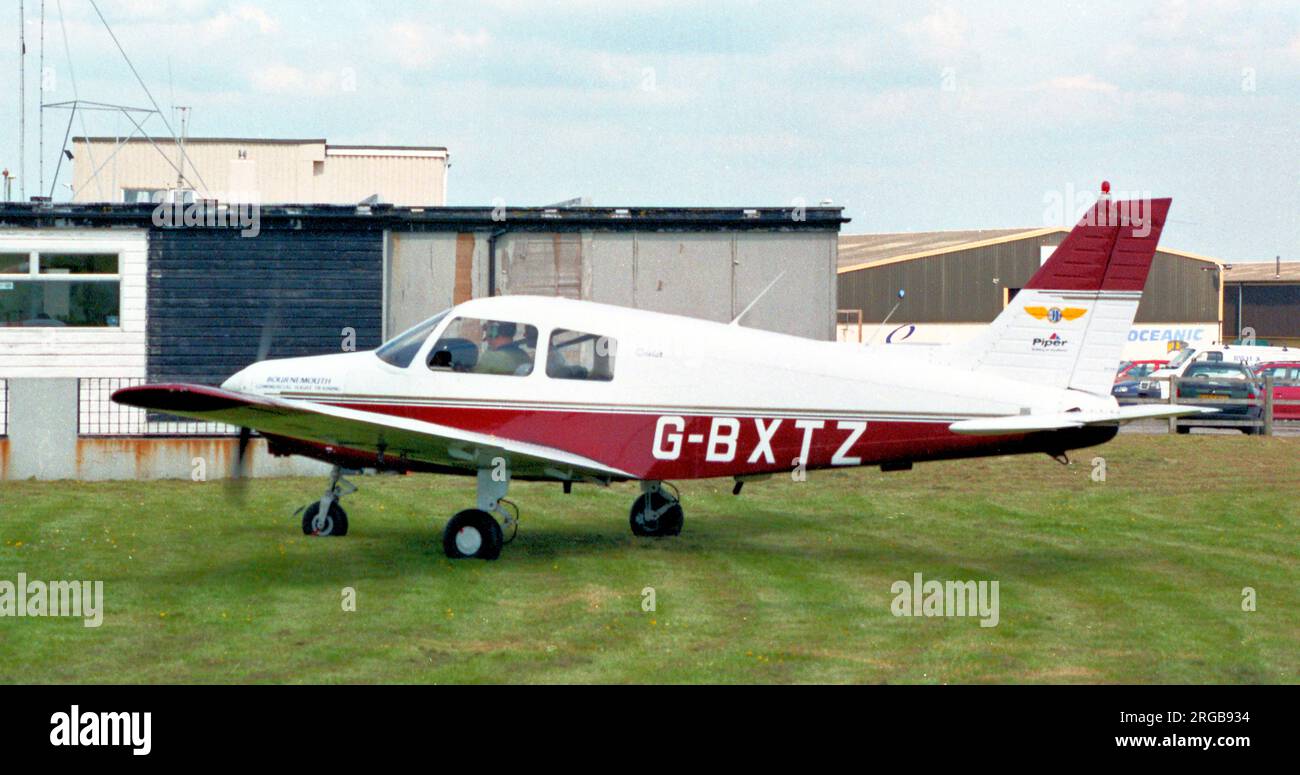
[(955, 282), (1263, 296)]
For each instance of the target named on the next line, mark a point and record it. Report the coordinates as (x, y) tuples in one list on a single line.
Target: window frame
[(34, 274), (550, 347), (422, 353), (426, 353)]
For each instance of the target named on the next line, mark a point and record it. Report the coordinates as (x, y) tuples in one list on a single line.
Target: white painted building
[(72, 302), (267, 171)]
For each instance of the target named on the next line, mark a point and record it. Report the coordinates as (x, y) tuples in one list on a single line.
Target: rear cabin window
[(479, 346), (579, 355)]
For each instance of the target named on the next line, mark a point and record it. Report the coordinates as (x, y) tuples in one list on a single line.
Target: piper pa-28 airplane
[(528, 388)]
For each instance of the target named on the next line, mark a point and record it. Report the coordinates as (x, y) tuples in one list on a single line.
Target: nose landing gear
[(326, 517)]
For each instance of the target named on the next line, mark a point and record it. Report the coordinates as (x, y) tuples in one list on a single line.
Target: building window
[(576, 355), (60, 289), (157, 195), (486, 347)]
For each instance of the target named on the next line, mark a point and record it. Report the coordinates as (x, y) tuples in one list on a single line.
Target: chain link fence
[(97, 415)]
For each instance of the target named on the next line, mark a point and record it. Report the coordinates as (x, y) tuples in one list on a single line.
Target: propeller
[(239, 465)]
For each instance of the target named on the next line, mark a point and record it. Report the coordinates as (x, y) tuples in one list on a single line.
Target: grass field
[(1135, 579)]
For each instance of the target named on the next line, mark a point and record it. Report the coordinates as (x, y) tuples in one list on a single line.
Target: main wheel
[(667, 523), (336, 520), (472, 534)]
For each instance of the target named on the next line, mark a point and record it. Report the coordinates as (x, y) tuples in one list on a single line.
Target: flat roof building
[(267, 171)]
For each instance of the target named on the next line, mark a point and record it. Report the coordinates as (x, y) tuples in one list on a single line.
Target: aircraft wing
[(367, 431), (1057, 421)]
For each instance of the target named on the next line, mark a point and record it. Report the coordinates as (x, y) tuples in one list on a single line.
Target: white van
[(1234, 353)]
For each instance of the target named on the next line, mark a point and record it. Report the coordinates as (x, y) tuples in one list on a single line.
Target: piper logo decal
[(1053, 342), (1056, 314)]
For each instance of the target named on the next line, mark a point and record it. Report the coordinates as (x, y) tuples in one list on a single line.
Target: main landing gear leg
[(326, 517), (475, 533), (657, 511)]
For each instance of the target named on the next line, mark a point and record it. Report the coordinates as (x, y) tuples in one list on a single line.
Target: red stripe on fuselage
[(666, 446)]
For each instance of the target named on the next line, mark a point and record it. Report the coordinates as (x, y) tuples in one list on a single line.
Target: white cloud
[(942, 35), (241, 17), (286, 79), (417, 45), (1085, 83)]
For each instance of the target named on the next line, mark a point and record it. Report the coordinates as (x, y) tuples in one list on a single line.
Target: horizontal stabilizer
[(1059, 421)]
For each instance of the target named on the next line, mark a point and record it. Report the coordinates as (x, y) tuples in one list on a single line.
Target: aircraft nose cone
[(238, 382)]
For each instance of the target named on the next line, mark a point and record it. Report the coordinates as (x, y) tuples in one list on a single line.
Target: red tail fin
[(1109, 250)]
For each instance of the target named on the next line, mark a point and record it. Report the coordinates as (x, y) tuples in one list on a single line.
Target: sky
[(913, 116)]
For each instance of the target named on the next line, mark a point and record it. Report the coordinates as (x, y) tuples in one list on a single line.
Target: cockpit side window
[(579, 355), (483, 346), (401, 349)]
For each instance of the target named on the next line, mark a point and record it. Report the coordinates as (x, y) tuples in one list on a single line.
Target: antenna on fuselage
[(736, 320), (901, 294)]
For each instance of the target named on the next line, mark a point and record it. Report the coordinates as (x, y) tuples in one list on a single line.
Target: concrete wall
[(43, 444), (425, 273)]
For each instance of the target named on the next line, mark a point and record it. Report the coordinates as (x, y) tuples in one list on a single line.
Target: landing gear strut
[(326, 517), (657, 511), (475, 533)]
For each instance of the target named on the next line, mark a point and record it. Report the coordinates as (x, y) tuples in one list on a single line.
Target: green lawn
[(1135, 579)]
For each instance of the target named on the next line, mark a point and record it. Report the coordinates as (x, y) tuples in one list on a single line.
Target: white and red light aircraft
[(515, 387)]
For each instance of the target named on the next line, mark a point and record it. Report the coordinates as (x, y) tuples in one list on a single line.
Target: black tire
[(670, 521), (481, 540), (1183, 429), (336, 520)]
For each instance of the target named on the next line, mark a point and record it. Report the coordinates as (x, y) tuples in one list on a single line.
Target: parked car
[(1286, 386), (1137, 369), (1129, 390), (1214, 383), (1249, 355)]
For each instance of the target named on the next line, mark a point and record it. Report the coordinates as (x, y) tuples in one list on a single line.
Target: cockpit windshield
[(401, 349)]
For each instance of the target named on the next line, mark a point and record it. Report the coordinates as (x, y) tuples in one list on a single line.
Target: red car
[(1286, 386), (1137, 369)]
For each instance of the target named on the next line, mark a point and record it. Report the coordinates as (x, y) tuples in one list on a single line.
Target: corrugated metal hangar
[(101, 291), (1264, 297), (956, 282)]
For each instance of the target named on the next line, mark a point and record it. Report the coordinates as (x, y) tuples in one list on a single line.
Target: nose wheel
[(657, 511), (326, 517)]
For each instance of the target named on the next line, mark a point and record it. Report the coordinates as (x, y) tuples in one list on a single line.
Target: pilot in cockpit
[(501, 353)]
